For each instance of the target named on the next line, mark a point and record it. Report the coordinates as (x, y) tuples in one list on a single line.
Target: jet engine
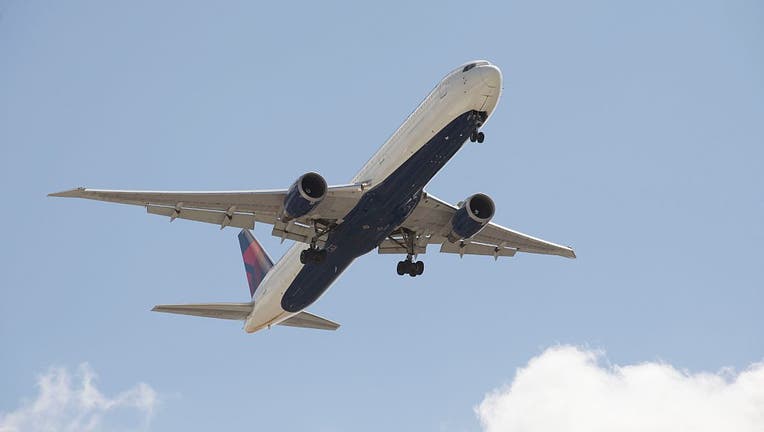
[(303, 196), (474, 213)]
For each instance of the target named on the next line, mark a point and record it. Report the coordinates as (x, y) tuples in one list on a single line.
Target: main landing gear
[(477, 136), (314, 255), (410, 267)]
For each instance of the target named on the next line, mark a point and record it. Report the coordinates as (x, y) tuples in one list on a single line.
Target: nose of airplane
[(491, 75)]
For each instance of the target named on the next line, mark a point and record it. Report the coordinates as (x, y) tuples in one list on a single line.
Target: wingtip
[(70, 193)]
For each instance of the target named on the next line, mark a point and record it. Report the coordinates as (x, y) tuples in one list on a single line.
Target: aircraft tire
[(320, 256)]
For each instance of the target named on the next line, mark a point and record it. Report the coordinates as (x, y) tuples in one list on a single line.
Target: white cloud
[(569, 389), (64, 405)]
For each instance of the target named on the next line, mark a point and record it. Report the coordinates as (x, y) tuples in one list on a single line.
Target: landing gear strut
[(477, 136), (408, 266)]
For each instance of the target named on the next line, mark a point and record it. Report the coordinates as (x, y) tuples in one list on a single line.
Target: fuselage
[(393, 181)]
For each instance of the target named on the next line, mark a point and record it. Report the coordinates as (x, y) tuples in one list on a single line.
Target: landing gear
[(477, 136), (410, 267), (313, 256)]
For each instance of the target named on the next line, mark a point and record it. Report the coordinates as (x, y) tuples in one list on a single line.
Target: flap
[(239, 220), (393, 247), (476, 249)]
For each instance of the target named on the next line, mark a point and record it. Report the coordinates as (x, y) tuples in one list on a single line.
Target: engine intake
[(473, 215), (303, 196)]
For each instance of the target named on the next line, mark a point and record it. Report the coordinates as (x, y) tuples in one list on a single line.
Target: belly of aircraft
[(379, 212)]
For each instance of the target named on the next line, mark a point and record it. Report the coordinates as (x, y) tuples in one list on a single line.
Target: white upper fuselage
[(477, 88)]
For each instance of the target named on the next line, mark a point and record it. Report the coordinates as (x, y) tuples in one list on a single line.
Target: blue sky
[(633, 132)]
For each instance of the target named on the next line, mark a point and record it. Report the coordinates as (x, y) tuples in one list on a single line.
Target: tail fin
[(256, 260)]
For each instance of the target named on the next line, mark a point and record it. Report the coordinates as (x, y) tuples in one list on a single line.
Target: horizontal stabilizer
[(240, 311), (308, 320), (231, 311)]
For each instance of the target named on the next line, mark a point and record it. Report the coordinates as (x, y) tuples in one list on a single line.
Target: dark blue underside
[(380, 211)]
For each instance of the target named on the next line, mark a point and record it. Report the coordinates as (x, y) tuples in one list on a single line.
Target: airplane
[(384, 207)]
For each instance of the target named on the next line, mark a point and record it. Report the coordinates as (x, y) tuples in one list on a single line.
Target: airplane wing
[(431, 222), (230, 208), (240, 311)]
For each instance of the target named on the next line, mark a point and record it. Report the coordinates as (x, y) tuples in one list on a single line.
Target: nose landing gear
[(477, 136)]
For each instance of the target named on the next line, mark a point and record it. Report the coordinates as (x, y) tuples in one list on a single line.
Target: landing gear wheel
[(410, 268), (312, 256), (480, 137), (320, 256), (474, 136)]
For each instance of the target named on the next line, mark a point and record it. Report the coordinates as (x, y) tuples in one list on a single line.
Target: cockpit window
[(469, 66)]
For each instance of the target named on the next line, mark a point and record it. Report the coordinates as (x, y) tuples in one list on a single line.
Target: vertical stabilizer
[(256, 260)]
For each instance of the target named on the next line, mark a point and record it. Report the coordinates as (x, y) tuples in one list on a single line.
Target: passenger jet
[(384, 207)]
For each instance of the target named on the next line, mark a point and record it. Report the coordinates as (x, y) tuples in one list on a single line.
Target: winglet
[(71, 193), (256, 260)]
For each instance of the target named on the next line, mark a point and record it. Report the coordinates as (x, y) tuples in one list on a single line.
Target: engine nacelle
[(303, 196), (473, 215)]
